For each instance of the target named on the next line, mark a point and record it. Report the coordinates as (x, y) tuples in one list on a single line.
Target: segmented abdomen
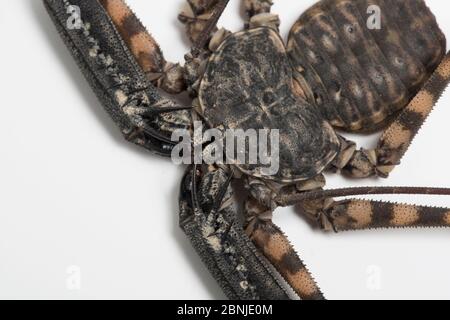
[(360, 72)]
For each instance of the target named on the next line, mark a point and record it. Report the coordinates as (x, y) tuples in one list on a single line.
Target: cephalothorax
[(338, 71)]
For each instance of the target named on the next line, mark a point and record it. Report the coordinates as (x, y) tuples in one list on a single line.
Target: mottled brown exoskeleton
[(336, 73)]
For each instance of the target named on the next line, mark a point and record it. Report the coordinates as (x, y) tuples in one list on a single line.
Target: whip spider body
[(341, 70)]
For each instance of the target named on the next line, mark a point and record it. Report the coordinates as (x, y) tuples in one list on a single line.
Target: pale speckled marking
[(404, 216), (361, 212), (298, 90), (121, 97), (328, 44), (213, 241), (244, 285)]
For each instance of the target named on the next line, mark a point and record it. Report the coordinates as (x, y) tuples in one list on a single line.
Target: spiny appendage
[(275, 246), (145, 49), (208, 216), (134, 105), (355, 214), (258, 14), (397, 138)]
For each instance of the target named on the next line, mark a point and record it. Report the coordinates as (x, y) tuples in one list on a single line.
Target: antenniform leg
[(352, 214), (278, 250), (201, 19), (198, 16), (356, 214), (209, 218), (143, 115), (397, 138), (258, 14)]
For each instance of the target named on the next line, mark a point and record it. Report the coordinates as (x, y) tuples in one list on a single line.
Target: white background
[(73, 193)]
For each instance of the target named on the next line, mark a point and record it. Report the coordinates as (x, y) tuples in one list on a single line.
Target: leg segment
[(208, 217), (200, 20), (397, 138), (166, 75), (198, 17), (258, 14), (255, 7), (268, 238), (272, 195), (356, 214), (142, 114)]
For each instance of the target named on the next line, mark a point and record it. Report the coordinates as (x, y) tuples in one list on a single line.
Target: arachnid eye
[(399, 61), (350, 29)]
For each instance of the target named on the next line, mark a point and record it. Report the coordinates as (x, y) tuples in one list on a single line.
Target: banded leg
[(165, 75), (142, 114), (258, 14), (275, 246), (356, 214), (397, 138), (209, 218)]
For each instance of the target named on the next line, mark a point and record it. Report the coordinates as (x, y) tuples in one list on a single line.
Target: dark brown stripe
[(333, 75), (131, 26), (420, 37), (382, 214), (291, 263), (411, 120), (391, 41), (388, 86), (357, 56), (432, 217), (307, 69)]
